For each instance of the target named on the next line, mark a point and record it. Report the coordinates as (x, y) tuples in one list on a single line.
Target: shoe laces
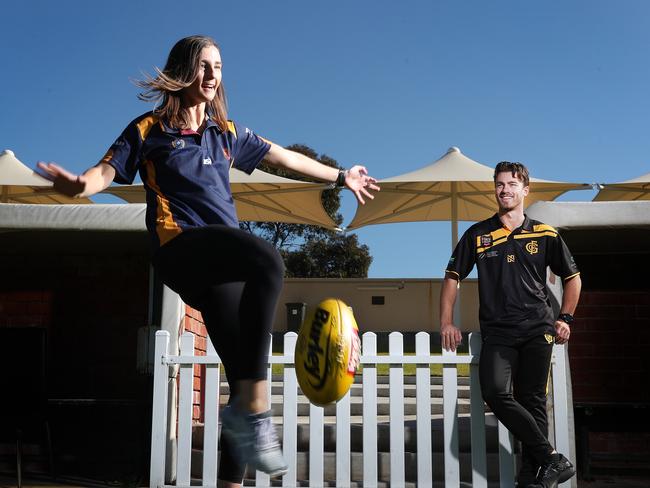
[(547, 469)]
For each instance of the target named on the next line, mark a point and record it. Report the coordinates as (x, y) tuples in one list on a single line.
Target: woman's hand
[(359, 182), (92, 181), (64, 181)]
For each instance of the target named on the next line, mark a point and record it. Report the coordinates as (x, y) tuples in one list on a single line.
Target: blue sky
[(559, 85)]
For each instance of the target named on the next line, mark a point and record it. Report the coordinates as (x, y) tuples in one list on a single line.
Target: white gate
[(370, 358)]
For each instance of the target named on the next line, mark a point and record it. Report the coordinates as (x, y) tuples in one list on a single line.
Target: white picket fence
[(164, 360)]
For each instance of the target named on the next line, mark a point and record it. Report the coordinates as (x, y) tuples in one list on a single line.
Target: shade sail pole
[(454, 242), (454, 215)]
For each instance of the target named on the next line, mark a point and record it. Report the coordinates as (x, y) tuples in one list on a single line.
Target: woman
[(183, 151)]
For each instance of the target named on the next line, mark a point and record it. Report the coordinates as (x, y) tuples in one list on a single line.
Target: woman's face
[(204, 87)]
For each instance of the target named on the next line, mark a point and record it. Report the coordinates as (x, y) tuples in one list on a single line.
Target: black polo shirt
[(514, 301)]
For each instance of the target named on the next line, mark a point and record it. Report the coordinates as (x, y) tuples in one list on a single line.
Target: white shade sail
[(261, 197), (630, 190), (454, 188)]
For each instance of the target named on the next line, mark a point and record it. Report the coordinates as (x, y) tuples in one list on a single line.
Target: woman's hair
[(180, 72)]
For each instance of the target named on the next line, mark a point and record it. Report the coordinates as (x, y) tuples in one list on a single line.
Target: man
[(518, 327)]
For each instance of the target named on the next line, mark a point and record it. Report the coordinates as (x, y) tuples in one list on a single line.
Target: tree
[(338, 256), (310, 251)]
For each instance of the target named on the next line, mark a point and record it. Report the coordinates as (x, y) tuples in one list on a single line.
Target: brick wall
[(610, 347), (193, 323), (610, 361), (25, 308)]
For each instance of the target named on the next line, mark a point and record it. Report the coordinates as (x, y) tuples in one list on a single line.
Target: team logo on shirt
[(510, 258), (532, 247), (178, 143), (207, 161), (549, 338), (486, 240)]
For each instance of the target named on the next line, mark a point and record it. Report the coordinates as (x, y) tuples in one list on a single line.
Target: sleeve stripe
[(453, 272), (145, 125), (571, 276)]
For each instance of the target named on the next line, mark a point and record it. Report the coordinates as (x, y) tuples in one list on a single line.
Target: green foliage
[(311, 251), (337, 256)]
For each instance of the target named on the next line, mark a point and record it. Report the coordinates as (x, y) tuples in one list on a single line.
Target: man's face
[(509, 191)]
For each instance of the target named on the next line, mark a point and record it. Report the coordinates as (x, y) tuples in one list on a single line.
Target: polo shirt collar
[(171, 130), (527, 225)]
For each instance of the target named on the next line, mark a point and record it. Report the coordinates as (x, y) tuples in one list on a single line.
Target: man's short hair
[(517, 170)]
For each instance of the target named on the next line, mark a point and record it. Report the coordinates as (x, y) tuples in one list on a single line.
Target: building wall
[(609, 347), (610, 364), (87, 294), (409, 305)]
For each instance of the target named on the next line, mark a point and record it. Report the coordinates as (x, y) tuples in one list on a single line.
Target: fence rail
[(165, 362)]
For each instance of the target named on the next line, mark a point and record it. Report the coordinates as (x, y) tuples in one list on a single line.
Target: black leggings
[(514, 380), (234, 279)]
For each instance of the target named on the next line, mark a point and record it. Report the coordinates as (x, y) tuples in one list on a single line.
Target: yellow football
[(328, 351)]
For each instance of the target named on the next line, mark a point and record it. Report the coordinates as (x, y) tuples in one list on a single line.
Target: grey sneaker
[(255, 440)]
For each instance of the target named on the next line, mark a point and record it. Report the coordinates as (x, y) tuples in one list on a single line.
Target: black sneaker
[(556, 470)]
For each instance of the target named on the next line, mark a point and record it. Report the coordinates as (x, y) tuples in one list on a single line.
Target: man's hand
[(562, 332), (450, 336)]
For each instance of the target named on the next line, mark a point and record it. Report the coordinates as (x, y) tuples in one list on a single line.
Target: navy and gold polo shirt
[(514, 301), (185, 174)]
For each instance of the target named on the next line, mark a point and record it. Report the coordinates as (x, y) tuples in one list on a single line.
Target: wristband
[(566, 317), (340, 179)]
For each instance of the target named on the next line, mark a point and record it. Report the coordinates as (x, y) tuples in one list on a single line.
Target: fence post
[(343, 441), (506, 458), (262, 479), (560, 402), (369, 386), (316, 446), (450, 418), (477, 417), (423, 405), (185, 404), (211, 416), (396, 394), (159, 411), (290, 411)]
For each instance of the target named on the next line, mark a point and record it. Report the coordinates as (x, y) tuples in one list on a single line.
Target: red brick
[(642, 311), (14, 308), (196, 412), (27, 296), (580, 350)]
